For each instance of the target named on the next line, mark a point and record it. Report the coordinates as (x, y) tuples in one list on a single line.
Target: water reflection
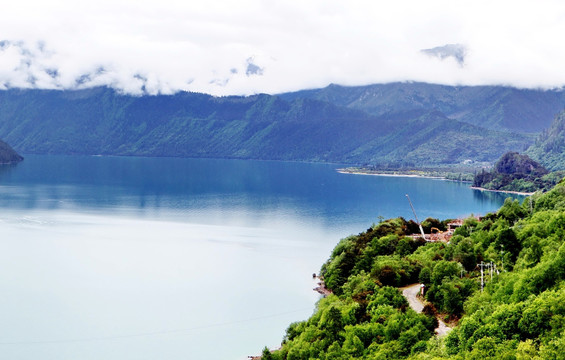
[(489, 197), (180, 186)]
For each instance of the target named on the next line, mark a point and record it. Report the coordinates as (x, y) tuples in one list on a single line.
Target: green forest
[(517, 172), (100, 121), (549, 148), (520, 313)]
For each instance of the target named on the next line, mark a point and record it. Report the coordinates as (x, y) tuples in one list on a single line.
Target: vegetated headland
[(517, 173), (442, 174), (498, 282), (513, 173)]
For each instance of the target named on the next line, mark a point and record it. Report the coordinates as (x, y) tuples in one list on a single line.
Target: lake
[(164, 258)]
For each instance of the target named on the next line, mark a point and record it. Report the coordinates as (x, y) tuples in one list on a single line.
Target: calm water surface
[(144, 258)]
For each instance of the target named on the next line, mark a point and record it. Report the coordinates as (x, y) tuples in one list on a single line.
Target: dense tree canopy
[(517, 172), (514, 163), (519, 314)]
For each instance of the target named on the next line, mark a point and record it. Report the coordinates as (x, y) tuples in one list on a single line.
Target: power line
[(155, 333)]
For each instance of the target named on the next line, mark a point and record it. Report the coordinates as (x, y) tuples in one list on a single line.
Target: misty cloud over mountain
[(455, 51), (253, 69), (249, 47)]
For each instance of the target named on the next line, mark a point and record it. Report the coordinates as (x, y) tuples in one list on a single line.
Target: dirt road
[(410, 292)]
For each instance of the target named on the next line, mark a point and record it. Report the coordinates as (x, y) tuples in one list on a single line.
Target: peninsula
[(499, 283)]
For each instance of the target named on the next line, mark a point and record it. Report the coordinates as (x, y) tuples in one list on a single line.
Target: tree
[(512, 210), (444, 270), (425, 276), (352, 345), (332, 322), (266, 354), (465, 254), (506, 239)]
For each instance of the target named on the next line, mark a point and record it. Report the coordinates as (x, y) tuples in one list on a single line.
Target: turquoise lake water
[(162, 258)]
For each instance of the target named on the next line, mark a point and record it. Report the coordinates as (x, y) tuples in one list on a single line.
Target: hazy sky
[(249, 46)]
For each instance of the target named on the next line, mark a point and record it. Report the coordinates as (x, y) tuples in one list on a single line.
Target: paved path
[(410, 292)]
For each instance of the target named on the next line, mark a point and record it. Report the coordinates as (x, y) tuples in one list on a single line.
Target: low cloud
[(223, 48), (253, 69), (454, 51)]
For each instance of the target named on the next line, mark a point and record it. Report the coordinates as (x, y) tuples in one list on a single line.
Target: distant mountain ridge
[(336, 125), (492, 107)]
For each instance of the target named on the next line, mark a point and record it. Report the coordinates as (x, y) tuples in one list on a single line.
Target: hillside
[(101, 121), (518, 315), (549, 148), (8, 155), (492, 107), (517, 172)]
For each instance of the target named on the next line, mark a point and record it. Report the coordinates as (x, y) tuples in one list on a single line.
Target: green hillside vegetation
[(491, 107), (432, 135), (549, 148), (517, 172), (519, 315), (100, 121)]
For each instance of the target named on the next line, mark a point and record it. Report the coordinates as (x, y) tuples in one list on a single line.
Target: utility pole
[(502, 255), (491, 268), (482, 265), (416, 216)]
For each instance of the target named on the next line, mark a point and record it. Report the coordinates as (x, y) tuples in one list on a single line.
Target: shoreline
[(504, 191), (398, 174), (345, 171)]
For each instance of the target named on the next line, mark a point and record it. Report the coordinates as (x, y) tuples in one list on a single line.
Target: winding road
[(410, 292)]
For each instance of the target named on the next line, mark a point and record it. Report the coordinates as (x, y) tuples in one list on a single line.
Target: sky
[(226, 47)]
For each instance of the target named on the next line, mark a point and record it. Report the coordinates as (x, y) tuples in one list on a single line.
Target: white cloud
[(168, 45)]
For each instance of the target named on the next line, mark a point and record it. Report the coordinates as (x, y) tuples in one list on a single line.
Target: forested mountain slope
[(101, 121), (549, 148), (519, 314), (517, 172), (492, 107)]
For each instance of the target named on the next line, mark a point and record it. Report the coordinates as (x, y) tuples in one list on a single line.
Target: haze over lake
[(148, 258)]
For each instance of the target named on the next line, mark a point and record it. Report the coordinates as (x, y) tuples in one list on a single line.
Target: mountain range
[(398, 124), (492, 107)]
